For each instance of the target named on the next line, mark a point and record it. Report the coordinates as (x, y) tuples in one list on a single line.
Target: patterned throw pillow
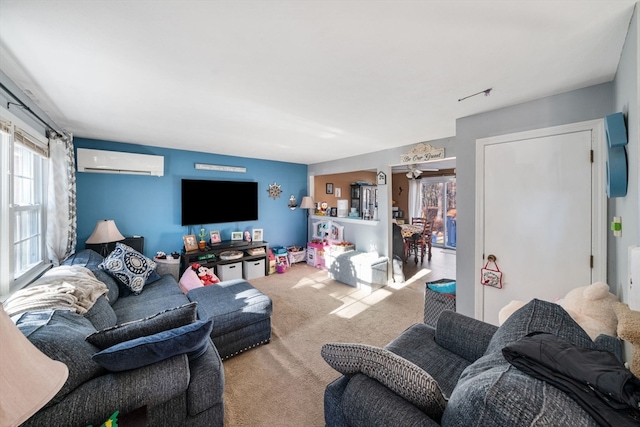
[(129, 266), (165, 320), (395, 372)]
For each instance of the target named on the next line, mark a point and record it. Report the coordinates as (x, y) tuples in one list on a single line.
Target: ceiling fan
[(414, 172)]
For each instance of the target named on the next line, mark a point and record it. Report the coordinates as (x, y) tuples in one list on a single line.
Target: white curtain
[(61, 208), (415, 198)]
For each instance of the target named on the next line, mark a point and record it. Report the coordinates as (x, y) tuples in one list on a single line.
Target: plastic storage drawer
[(253, 269), (230, 271)]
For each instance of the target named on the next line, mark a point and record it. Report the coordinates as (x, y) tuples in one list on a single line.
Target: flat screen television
[(213, 202)]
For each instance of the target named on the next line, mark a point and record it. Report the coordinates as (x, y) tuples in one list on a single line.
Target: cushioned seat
[(241, 315)]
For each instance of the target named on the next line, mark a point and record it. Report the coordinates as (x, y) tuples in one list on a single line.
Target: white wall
[(626, 100), (590, 103)]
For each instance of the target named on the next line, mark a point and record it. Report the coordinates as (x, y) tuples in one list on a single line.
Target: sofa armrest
[(96, 400), (206, 387), (462, 335), (366, 402)]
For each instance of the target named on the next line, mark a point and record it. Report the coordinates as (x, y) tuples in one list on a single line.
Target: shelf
[(190, 257), (345, 220)]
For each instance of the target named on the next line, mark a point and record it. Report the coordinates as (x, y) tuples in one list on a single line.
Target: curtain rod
[(25, 107)]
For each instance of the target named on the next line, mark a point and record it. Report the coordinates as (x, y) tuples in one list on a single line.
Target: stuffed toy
[(205, 274), (629, 330), (590, 306)]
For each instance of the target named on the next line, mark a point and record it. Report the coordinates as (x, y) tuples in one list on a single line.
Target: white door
[(537, 215)]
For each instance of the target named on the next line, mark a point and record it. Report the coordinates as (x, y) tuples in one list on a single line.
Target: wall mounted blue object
[(616, 134)]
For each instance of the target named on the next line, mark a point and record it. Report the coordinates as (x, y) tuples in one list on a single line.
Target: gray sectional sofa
[(476, 385), (179, 390)]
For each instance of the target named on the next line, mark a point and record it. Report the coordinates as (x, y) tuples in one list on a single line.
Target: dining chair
[(421, 243)]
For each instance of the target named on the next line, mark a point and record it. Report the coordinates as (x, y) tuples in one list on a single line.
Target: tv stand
[(210, 256)]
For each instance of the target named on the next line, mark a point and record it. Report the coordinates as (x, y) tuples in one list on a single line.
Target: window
[(23, 168), (439, 206)]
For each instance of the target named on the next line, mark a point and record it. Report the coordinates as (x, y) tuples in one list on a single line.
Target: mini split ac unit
[(101, 161)]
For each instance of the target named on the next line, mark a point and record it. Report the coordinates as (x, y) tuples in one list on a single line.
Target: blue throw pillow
[(159, 322), (191, 339), (444, 288)]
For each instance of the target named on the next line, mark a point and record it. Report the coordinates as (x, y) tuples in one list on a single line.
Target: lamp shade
[(307, 203), (105, 232), (28, 378)]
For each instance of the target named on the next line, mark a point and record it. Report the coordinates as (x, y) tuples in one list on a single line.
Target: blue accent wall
[(149, 206)]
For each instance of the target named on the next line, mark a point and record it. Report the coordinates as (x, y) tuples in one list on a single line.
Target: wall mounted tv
[(213, 202)]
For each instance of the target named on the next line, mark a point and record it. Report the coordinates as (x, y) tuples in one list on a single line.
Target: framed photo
[(329, 187), (236, 235), (190, 242), (333, 212), (257, 234), (338, 192), (215, 236)]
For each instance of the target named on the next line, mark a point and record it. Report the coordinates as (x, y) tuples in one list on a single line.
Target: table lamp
[(28, 378), (105, 233)]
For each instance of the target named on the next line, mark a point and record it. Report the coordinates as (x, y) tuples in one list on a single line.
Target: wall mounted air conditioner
[(101, 161)]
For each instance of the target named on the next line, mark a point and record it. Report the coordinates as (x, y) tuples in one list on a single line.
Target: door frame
[(598, 199)]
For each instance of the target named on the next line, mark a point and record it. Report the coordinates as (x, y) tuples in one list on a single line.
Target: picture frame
[(338, 192), (257, 235), (329, 188), (236, 235), (190, 242), (215, 236), (333, 212), (382, 178)]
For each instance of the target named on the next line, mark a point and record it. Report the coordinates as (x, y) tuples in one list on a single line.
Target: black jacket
[(595, 379)]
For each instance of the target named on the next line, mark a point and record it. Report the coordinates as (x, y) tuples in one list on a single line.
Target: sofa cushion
[(492, 392), (129, 266), (157, 296), (60, 335), (416, 344), (112, 284), (167, 319), (398, 374), (191, 339), (101, 315), (539, 316)]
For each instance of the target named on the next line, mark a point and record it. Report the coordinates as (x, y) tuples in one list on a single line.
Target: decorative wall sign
[(274, 191), (422, 153), (382, 178), (206, 167)]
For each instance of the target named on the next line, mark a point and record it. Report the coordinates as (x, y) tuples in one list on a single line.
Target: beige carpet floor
[(282, 383)]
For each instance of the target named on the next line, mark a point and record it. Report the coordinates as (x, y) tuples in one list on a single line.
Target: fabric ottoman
[(361, 270), (241, 315)]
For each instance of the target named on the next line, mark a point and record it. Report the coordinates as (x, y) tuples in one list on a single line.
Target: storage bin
[(229, 271), (435, 303), (253, 269), (296, 256)]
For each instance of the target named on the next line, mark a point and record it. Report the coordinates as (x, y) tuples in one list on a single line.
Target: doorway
[(541, 213), (439, 206)]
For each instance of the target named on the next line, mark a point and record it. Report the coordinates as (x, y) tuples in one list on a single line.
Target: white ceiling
[(298, 81)]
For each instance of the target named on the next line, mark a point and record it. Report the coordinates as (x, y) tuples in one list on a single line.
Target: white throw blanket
[(68, 287)]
